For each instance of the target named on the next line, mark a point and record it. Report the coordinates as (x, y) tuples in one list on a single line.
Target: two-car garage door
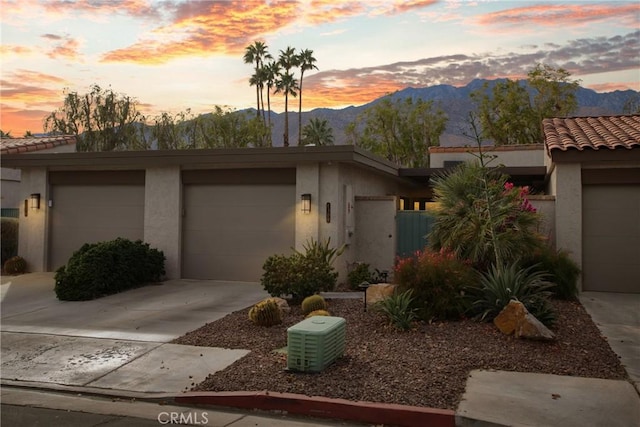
[(611, 238)]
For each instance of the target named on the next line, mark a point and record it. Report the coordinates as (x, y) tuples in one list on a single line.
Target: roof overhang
[(240, 158)]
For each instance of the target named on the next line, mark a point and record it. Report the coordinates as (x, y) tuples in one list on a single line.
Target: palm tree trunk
[(257, 101), (264, 118), (269, 114), (300, 109), (286, 120)]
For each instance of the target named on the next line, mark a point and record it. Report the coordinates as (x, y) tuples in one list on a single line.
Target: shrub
[(482, 218), (9, 238), (105, 268), (563, 271), (398, 309), (438, 281), (498, 286), (301, 274), (15, 265), (359, 275), (313, 303)]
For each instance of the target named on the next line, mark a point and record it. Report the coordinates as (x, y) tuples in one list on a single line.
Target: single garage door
[(230, 230), (92, 212), (611, 238)]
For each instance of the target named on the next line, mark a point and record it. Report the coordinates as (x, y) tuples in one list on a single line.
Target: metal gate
[(413, 228)]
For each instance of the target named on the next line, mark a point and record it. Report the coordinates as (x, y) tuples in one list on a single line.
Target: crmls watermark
[(190, 418)]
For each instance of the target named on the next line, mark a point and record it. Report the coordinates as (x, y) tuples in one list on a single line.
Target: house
[(216, 214), (10, 178), (593, 165)]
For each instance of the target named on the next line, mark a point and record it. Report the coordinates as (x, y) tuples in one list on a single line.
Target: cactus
[(313, 303), (266, 313), (318, 313), (15, 265)]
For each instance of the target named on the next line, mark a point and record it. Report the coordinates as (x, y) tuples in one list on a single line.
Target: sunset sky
[(172, 55)]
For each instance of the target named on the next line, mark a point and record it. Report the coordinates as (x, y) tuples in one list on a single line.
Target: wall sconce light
[(35, 201), (306, 203)]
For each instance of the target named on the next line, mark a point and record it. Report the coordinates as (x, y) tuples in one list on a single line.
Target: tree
[(5, 134), (272, 70), (287, 84), (305, 61), (230, 129), (174, 132), (101, 120), (317, 132), (511, 112), (401, 131), (257, 53)]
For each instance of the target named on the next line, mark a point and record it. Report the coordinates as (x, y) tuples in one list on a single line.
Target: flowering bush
[(437, 281), (523, 192)]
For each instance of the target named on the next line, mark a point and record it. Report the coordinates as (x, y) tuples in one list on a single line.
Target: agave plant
[(398, 309), (499, 285)]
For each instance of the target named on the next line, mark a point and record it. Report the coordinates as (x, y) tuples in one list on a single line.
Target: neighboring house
[(10, 178), (593, 165)]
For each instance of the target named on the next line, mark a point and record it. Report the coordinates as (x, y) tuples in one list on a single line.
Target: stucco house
[(593, 168), (218, 214)]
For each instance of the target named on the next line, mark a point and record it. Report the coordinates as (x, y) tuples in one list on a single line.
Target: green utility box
[(315, 343)]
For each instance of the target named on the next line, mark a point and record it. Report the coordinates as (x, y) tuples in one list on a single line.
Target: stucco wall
[(33, 234), (529, 155), (163, 215), (566, 185), (546, 207), (10, 191)]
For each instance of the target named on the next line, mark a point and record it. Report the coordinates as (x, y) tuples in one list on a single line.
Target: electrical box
[(315, 343)]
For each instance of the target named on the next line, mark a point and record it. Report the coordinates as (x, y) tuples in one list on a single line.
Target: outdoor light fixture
[(306, 203), (35, 201)]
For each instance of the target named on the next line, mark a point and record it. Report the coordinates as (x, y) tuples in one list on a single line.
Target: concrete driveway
[(118, 342)]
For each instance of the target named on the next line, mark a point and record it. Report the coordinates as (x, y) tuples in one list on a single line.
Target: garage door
[(91, 213), (611, 238), (230, 230)]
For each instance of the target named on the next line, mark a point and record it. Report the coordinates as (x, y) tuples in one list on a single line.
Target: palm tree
[(256, 53), (306, 61), (272, 71), (288, 85), (317, 132)]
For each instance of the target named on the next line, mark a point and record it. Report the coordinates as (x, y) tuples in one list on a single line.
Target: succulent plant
[(266, 313), (313, 303), (318, 313), (15, 265)]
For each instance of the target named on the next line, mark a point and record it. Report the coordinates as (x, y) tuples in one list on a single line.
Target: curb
[(322, 407)]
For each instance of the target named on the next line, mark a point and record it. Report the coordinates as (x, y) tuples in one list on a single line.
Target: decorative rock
[(532, 328), (515, 318), (379, 291), (510, 316)]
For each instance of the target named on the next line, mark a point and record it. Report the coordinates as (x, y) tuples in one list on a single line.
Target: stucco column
[(32, 234), (163, 215), (307, 224), (568, 191)]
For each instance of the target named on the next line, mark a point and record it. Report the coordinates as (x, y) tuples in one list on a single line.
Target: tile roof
[(580, 133), (30, 144)]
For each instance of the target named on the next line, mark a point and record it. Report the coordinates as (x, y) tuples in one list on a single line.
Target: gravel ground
[(427, 366)]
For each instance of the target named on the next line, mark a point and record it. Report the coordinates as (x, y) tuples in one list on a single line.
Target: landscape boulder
[(516, 319), (379, 291)]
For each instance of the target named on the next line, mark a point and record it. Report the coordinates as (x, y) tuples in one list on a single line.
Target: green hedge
[(9, 235), (106, 268)]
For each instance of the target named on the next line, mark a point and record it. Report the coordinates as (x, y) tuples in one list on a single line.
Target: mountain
[(455, 102)]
